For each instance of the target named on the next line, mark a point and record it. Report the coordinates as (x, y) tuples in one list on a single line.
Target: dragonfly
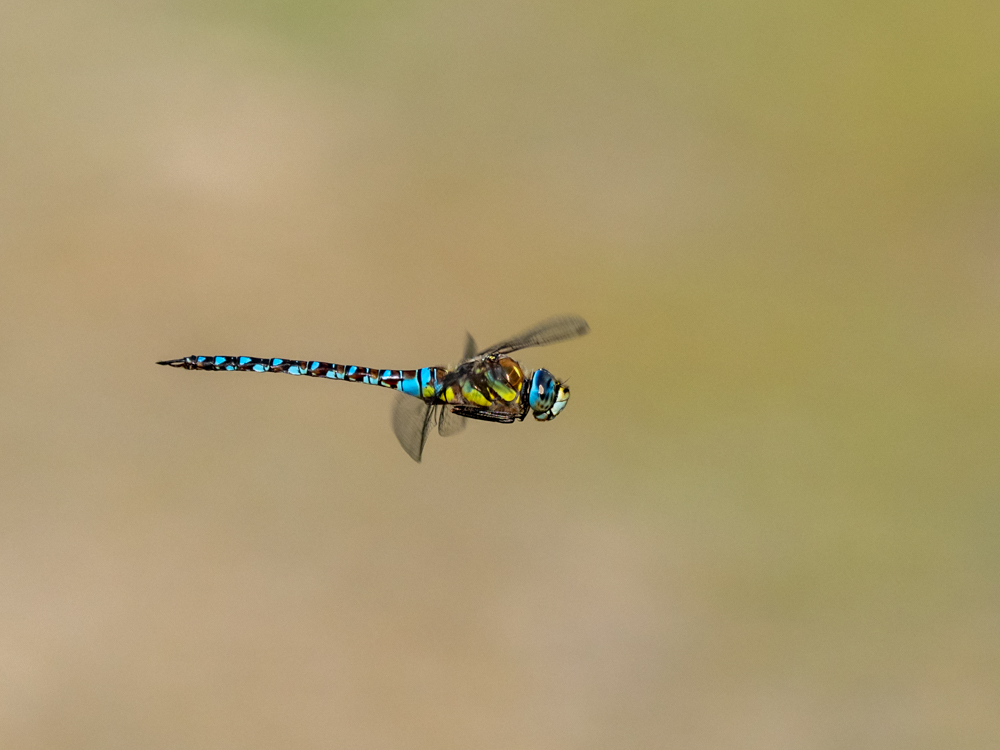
[(486, 384)]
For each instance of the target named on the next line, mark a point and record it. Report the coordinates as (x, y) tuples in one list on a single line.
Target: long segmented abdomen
[(423, 383)]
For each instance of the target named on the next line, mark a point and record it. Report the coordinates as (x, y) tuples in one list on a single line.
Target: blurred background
[(768, 517)]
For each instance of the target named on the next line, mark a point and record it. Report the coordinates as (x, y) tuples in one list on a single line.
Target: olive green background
[(768, 517)]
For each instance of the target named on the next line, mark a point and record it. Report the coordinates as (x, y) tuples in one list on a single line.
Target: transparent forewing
[(550, 331), (450, 424), (411, 421)]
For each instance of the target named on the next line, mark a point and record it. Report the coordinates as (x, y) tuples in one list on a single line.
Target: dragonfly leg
[(487, 416)]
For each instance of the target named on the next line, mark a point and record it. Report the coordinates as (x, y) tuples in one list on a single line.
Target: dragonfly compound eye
[(542, 391)]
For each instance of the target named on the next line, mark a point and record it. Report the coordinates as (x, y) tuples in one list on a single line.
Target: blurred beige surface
[(767, 519)]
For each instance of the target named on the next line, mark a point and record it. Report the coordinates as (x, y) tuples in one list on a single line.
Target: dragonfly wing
[(549, 331), (449, 423), (470, 347), (411, 421)]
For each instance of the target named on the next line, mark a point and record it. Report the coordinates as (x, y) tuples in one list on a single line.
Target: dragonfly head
[(546, 396)]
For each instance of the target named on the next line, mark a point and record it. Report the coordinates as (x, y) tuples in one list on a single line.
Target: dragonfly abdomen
[(422, 383)]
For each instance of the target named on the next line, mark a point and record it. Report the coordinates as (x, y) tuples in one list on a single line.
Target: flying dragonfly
[(486, 384)]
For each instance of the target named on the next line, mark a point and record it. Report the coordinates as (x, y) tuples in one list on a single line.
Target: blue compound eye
[(542, 393)]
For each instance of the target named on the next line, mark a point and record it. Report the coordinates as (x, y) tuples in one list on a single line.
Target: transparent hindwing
[(448, 423), (412, 418), (411, 421)]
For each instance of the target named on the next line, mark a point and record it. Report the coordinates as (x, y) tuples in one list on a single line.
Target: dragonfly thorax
[(492, 382), (505, 378)]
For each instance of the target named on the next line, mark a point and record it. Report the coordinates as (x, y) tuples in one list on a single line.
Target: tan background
[(769, 517)]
